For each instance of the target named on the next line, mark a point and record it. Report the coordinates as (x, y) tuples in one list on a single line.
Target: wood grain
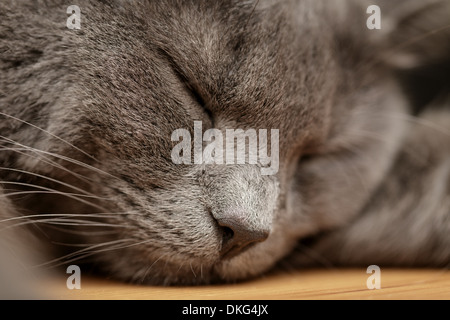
[(310, 284)]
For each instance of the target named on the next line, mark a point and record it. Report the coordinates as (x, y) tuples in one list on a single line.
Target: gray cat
[(86, 118)]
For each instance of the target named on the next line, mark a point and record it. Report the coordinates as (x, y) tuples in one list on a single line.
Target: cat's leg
[(407, 221)]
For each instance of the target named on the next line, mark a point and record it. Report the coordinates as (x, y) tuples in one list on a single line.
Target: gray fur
[(352, 168)]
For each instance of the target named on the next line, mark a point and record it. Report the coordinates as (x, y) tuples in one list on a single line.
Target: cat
[(86, 118)]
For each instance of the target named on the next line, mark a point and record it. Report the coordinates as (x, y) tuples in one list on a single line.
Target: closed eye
[(192, 87)]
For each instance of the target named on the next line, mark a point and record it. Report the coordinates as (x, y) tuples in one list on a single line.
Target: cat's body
[(90, 114)]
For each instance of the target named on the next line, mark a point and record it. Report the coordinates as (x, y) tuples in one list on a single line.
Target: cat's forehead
[(245, 60), (248, 68)]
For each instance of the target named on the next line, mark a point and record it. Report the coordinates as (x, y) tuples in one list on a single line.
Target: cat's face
[(199, 223), (166, 66)]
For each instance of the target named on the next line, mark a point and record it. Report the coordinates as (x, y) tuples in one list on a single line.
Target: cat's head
[(229, 68), (141, 71)]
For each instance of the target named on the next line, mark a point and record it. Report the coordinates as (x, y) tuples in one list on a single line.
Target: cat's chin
[(189, 273), (196, 271)]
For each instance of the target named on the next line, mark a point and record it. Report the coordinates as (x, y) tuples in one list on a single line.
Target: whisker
[(74, 245), (192, 269), (179, 268), (93, 252), (70, 255), (151, 266), (49, 162), (88, 233), (55, 181), (65, 158), (69, 215), (18, 193), (71, 196), (251, 14), (49, 133), (65, 222)]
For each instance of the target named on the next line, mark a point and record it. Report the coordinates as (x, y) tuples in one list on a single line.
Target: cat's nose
[(238, 236)]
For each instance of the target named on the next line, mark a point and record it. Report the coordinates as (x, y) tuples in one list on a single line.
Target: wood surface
[(308, 284)]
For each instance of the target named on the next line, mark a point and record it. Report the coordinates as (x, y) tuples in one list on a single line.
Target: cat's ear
[(415, 33)]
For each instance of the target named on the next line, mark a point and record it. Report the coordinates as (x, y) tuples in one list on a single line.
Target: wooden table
[(307, 284)]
